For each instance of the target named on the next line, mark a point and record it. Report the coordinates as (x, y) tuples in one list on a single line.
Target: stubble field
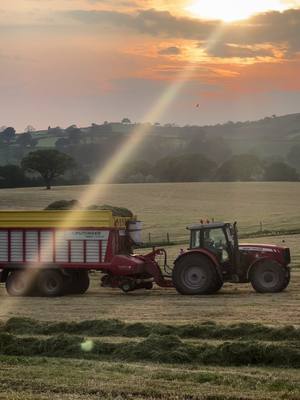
[(170, 207), (157, 344)]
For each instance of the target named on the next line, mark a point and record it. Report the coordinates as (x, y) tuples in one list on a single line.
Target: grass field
[(166, 207), (157, 344)]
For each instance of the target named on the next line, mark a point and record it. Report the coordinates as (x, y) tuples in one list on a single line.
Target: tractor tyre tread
[(50, 283), (77, 282), (194, 261), (27, 290), (274, 269)]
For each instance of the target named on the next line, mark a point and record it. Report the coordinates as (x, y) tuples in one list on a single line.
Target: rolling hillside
[(269, 138)]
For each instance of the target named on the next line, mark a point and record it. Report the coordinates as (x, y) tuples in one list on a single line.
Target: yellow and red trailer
[(51, 252)]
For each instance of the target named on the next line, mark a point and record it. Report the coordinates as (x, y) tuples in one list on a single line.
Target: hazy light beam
[(108, 172)]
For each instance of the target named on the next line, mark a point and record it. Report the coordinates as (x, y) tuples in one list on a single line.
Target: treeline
[(199, 168), (168, 153), (51, 167), (94, 146), (9, 136)]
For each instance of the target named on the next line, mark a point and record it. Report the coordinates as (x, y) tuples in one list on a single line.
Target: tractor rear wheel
[(269, 277), (20, 283), (217, 286), (195, 275), (287, 278), (50, 283)]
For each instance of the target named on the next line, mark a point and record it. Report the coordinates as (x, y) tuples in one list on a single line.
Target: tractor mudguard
[(205, 253)]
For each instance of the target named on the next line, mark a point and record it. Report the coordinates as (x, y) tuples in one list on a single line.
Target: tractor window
[(214, 237), (195, 239), (215, 241)]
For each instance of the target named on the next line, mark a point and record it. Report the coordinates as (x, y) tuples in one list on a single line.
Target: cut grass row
[(115, 327), (161, 349)]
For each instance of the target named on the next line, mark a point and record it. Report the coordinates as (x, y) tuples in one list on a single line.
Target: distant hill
[(275, 134), (271, 137)]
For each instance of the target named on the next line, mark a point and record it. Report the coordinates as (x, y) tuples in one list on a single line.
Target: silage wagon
[(50, 253)]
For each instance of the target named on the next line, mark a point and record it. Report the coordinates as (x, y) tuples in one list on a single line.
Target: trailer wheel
[(20, 283), (269, 277), (194, 275), (50, 283), (76, 282)]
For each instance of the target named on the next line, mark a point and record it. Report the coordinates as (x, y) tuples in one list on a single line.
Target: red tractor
[(215, 257)]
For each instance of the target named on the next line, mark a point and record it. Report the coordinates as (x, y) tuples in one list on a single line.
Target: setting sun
[(232, 10)]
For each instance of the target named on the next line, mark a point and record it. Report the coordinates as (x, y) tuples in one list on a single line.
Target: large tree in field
[(50, 164)]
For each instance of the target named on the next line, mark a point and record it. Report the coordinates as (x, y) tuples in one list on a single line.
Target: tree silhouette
[(279, 172), (25, 139), (241, 167), (11, 176), (8, 134), (293, 156), (29, 128), (74, 134), (184, 168), (50, 164)]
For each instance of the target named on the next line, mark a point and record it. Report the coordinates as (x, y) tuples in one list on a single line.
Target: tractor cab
[(215, 257), (220, 239)]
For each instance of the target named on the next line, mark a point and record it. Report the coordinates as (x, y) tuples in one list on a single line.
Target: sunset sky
[(85, 61)]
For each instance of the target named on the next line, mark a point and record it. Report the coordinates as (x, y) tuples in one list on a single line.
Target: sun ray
[(113, 166)]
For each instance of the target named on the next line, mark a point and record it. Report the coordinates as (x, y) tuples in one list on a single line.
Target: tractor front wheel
[(269, 277), (195, 275)]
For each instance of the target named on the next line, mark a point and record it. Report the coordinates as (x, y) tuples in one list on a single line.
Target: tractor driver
[(214, 241)]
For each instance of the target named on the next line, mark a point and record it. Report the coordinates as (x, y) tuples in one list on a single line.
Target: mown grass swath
[(155, 348), (115, 327)]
